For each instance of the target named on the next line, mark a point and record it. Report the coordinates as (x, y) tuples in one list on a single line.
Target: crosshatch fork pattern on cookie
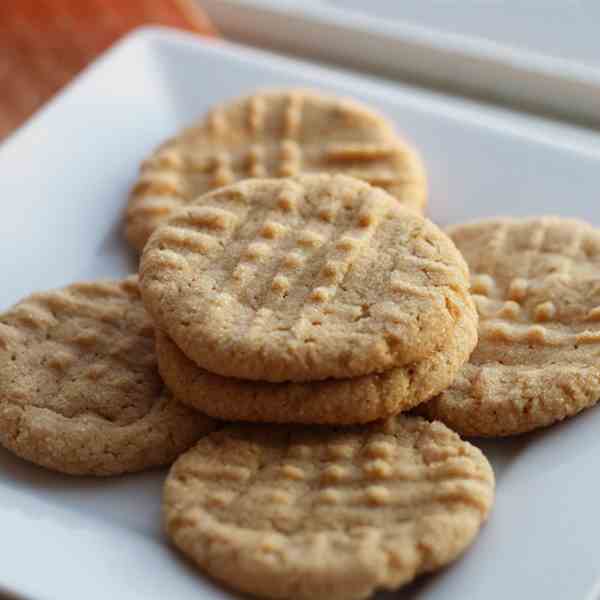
[(289, 262), (527, 306), (268, 135), (409, 495)]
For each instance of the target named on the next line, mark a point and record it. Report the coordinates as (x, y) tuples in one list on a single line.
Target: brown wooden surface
[(45, 43)]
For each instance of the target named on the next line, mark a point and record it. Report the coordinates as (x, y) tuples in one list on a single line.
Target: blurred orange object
[(44, 43)]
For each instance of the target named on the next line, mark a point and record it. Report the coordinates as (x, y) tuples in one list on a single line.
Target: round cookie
[(79, 389), (325, 513), (302, 279), (536, 284), (275, 133), (333, 401)]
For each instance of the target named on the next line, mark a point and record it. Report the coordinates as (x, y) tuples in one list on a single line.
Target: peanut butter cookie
[(536, 283), (275, 133), (307, 278), (325, 513), (79, 388)]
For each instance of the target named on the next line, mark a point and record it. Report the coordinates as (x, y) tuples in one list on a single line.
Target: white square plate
[(63, 182)]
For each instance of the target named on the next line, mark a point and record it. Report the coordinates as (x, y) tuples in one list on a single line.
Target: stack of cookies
[(311, 299), (300, 322)]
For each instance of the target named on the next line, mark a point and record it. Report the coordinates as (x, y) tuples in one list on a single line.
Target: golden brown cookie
[(333, 401), (79, 388), (536, 283), (302, 279), (325, 513), (274, 133)]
